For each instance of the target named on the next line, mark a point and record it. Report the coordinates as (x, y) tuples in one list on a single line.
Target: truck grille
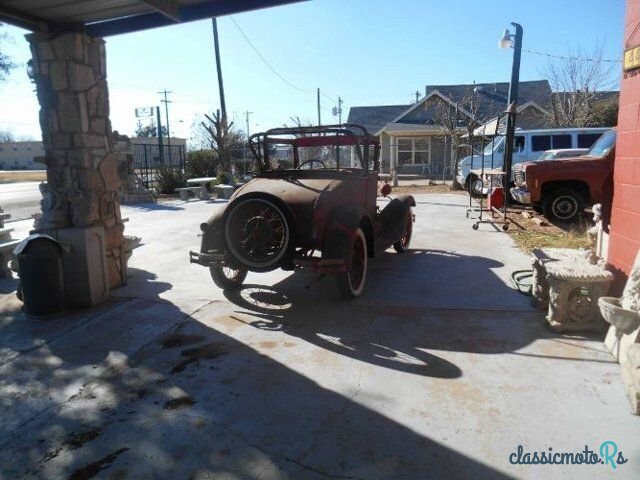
[(518, 175)]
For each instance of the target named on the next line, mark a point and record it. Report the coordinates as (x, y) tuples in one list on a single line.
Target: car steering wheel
[(311, 162)]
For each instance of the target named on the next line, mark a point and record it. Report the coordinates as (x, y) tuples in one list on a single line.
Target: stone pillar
[(82, 170)]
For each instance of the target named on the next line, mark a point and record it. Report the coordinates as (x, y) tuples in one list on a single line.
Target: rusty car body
[(312, 203)]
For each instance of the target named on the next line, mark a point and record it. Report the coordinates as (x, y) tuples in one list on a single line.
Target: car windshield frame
[(603, 145), (366, 149)]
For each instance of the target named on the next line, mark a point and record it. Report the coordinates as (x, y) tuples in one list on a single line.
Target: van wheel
[(563, 205), (475, 186)]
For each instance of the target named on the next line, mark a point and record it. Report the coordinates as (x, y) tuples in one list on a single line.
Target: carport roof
[(112, 17)]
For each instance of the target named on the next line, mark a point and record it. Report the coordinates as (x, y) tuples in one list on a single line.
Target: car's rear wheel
[(563, 205), (351, 283), (404, 242), (227, 278), (257, 234)]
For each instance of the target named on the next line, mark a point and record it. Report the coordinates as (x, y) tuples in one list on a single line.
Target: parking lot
[(440, 368)]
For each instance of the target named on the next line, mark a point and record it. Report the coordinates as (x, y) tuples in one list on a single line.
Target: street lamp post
[(514, 41)]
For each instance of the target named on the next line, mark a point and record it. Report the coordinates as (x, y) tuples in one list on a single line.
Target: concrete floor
[(440, 368)]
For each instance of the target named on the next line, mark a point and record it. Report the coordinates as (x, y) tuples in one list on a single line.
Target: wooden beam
[(20, 19), (168, 8)]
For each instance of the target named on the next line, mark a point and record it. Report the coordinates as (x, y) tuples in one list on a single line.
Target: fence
[(147, 161)]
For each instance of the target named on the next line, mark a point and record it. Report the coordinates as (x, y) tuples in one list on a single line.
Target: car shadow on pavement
[(139, 388), (413, 302)]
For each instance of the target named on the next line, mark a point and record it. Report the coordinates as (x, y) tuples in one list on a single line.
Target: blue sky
[(368, 52)]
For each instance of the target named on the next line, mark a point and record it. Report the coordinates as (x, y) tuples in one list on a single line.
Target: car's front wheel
[(563, 204), (404, 242), (351, 283), (227, 278)]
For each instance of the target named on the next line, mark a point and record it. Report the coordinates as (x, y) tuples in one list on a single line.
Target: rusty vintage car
[(312, 203)]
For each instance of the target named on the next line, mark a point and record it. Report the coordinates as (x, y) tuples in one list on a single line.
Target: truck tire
[(563, 205), (475, 186), (351, 283)]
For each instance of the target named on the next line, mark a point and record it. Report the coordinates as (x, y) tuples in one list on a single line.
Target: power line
[(584, 59), (272, 68)]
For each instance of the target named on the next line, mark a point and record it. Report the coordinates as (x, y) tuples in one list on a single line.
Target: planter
[(626, 321)]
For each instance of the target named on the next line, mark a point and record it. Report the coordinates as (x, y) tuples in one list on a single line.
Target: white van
[(528, 146)]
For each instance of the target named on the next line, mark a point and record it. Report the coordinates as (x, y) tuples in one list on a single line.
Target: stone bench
[(184, 192), (570, 286), (224, 191), (6, 249)]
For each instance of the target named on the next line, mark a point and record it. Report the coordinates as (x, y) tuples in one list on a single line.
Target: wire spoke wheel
[(404, 242), (227, 278), (351, 282), (257, 233)]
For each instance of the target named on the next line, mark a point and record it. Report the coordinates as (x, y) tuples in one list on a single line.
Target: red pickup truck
[(560, 189)]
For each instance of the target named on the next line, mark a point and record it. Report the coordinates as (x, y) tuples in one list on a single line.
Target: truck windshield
[(494, 144), (604, 144)]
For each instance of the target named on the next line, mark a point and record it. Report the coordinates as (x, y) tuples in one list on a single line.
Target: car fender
[(392, 218), (341, 231)]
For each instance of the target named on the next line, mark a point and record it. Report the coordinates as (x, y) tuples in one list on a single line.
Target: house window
[(413, 150)]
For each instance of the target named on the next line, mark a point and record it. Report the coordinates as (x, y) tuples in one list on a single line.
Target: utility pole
[(246, 116), (319, 120), (216, 47), (166, 102), (417, 95), (340, 102), (160, 145)]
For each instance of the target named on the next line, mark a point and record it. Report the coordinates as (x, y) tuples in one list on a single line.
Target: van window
[(540, 143), (561, 141), (518, 144), (585, 140)]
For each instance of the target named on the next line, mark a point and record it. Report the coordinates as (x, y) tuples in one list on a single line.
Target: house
[(21, 155), (416, 138)]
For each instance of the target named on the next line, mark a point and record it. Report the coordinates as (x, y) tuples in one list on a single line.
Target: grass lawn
[(13, 176)]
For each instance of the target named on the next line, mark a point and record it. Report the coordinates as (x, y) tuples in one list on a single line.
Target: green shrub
[(201, 163), (168, 179)]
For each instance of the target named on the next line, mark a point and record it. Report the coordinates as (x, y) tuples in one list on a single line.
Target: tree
[(6, 65), (150, 130), (577, 81), (7, 136), (457, 121), (222, 138)]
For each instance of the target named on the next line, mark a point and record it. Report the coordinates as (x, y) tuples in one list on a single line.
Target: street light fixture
[(511, 41)]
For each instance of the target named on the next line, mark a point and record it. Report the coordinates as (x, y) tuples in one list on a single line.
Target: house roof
[(375, 118), (492, 99)]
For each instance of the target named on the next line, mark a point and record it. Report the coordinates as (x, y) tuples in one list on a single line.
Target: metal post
[(216, 47), (160, 145), (512, 104), (319, 119)]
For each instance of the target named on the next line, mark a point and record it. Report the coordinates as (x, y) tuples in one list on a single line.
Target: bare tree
[(222, 138), (577, 81), (457, 122), (6, 65)]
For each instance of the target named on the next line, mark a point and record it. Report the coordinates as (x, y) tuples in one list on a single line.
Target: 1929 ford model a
[(312, 203)]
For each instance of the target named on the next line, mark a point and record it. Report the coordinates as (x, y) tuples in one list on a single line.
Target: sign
[(144, 112), (632, 58)]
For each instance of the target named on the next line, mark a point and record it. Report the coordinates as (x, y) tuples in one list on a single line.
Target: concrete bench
[(224, 191), (566, 282), (6, 249), (184, 192)]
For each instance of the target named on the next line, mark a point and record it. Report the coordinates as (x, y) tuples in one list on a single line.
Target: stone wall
[(82, 171)]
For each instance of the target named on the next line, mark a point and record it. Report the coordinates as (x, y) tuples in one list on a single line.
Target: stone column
[(82, 170)]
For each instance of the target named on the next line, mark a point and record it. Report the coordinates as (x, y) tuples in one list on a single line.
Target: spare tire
[(257, 233)]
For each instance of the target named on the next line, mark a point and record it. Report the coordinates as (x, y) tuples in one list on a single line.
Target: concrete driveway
[(440, 369)]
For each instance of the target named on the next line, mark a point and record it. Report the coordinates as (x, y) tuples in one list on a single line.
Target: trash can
[(41, 276)]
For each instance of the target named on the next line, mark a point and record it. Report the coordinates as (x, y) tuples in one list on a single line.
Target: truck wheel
[(475, 186), (564, 205), (227, 278), (351, 283), (402, 244)]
